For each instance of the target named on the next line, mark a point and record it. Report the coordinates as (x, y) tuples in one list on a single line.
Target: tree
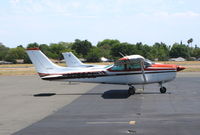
[(124, 48), (147, 52), (82, 47), (106, 46), (196, 52), (57, 50), (107, 43), (20, 46), (33, 45), (68, 45), (47, 51), (94, 55), (3, 51), (160, 51), (139, 48), (17, 53), (178, 50), (190, 41)]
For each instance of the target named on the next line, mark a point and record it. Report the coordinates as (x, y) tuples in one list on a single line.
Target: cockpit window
[(130, 66), (126, 67), (118, 68), (149, 61)]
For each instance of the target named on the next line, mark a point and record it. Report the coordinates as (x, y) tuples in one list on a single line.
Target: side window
[(129, 65), (126, 67), (146, 64), (118, 68), (134, 66)]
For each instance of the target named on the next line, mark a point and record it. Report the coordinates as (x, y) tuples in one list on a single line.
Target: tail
[(71, 60), (42, 64)]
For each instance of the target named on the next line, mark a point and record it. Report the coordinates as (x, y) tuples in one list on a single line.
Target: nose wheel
[(163, 90), (131, 90)]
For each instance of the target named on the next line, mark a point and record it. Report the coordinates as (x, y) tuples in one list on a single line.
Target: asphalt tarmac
[(25, 100), (108, 109)]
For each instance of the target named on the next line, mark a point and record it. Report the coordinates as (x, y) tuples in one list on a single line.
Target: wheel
[(131, 90), (163, 90)]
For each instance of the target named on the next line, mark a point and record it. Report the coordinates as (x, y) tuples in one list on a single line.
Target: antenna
[(122, 54)]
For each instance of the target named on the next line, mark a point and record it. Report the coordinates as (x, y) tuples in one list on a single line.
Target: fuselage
[(154, 74)]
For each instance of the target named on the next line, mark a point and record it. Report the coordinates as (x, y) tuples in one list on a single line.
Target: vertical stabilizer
[(71, 60), (41, 62)]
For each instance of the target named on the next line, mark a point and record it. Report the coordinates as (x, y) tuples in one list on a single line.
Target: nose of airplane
[(179, 68)]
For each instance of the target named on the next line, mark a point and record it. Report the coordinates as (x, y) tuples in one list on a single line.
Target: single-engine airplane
[(128, 70)]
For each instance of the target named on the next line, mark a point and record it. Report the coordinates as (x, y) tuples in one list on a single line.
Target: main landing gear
[(162, 89), (131, 90)]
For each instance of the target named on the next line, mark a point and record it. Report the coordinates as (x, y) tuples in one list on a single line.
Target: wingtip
[(36, 48)]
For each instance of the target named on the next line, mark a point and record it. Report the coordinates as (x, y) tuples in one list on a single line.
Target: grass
[(28, 69), (16, 65), (181, 62)]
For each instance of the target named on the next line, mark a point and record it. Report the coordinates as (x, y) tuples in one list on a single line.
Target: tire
[(131, 91), (163, 90)]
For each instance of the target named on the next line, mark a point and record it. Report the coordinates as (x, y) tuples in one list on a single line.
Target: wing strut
[(143, 73)]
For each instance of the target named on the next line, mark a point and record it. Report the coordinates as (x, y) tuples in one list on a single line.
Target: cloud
[(14, 1), (104, 8), (178, 14), (187, 14)]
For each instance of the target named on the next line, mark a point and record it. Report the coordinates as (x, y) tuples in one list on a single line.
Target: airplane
[(129, 70), (72, 61)]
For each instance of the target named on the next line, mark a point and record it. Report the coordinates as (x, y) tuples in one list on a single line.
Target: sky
[(51, 21)]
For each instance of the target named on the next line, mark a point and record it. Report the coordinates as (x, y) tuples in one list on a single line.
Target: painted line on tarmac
[(112, 122)]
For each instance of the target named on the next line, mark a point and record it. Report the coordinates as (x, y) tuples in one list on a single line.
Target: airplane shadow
[(44, 94), (64, 94), (115, 94), (110, 94)]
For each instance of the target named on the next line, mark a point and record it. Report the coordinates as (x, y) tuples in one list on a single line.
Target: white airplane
[(129, 70), (72, 61)]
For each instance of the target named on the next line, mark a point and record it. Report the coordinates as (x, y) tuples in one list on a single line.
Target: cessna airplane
[(128, 70)]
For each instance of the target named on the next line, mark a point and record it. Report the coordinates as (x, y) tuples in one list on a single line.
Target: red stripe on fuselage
[(153, 67)]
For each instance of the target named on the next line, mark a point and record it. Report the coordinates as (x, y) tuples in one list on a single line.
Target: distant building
[(82, 59), (103, 59), (62, 61), (5, 62), (55, 61), (177, 59), (192, 59), (19, 61), (156, 59)]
